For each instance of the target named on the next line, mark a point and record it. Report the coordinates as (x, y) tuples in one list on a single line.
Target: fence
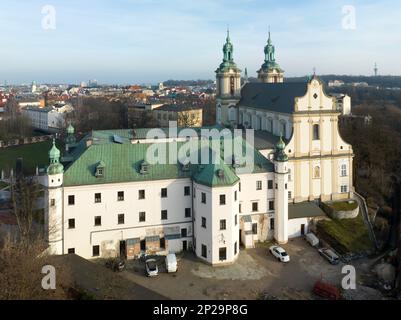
[(23, 141)]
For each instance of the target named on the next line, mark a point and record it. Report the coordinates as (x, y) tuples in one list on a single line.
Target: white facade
[(49, 118)]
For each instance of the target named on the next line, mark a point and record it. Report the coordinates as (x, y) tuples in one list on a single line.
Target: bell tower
[(54, 202), (228, 84), (281, 193), (270, 72)]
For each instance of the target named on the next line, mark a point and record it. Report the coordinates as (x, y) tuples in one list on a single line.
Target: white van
[(312, 239), (171, 263)]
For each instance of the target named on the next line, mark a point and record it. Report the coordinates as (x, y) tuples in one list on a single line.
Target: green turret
[(270, 60), (280, 154), (228, 56), (55, 166)]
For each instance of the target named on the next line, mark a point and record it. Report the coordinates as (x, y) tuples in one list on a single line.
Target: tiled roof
[(277, 97)]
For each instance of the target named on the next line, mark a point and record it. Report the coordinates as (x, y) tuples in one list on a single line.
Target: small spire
[(228, 33)]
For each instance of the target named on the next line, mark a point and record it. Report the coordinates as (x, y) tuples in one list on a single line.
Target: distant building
[(336, 83), (343, 103), (50, 119), (185, 116)]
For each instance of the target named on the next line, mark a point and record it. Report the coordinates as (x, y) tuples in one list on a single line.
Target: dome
[(54, 153)]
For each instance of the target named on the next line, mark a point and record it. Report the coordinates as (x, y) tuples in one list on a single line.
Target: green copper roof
[(280, 154), (270, 60), (54, 153), (216, 175), (122, 163), (228, 57)]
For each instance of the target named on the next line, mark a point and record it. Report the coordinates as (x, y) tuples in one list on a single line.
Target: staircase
[(363, 209)]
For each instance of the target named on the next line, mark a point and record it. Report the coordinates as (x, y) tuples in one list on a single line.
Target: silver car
[(329, 255), (151, 268)]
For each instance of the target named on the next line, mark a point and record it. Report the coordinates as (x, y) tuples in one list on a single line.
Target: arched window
[(316, 172), (231, 113), (258, 123), (283, 128), (218, 114), (316, 132), (270, 124)]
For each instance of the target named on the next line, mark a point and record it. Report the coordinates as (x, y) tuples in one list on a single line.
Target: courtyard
[(256, 274)]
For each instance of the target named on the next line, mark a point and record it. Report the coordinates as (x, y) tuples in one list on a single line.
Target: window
[(276, 186), (289, 175), (203, 222), (95, 251), (121, 219), (271, 205), (187, 191), (240, 208), (71, 223), (164, 214), (239, 187), (222, 199), (258, 185), (204, 251), (98, 221), (162, 243), (223, 224), (236, 219), (187, 212), (222, 254), (254, 206), (141, 194), (71, 250), (343, 170), (98, 197), (184, 233), (316, 132), (142, 216), (52, 202), (164, 193), (254, 228), (235, 248), (71, 200), (203, 197), (235, 195), (272, 223), (120, 195), (344, 189), (289, 195)]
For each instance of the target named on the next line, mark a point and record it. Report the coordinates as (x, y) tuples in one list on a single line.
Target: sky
[(147, 41)]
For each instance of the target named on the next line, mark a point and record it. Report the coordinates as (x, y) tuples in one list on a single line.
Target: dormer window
[(100, 169), (185, 167)]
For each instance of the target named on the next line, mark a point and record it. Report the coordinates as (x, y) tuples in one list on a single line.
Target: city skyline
[(151, 41)]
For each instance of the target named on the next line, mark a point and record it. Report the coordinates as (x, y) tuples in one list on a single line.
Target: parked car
[(151, 268), (329, 255), (115, 264), (326, 290), (171, 263), (279, 253), (312, 239)]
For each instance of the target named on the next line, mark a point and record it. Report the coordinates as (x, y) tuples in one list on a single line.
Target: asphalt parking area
[(255, 271)]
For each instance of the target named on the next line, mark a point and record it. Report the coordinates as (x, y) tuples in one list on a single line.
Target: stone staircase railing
[(365, 214)]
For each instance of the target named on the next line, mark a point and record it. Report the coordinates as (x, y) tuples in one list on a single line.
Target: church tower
[(54, 202), (281, 193), (228, 83), (270, 72)]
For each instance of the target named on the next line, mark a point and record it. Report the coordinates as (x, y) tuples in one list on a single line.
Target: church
[(105, 198)]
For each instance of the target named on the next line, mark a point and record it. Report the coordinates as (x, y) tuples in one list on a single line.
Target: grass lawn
[(35, 154), (345, 236)]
